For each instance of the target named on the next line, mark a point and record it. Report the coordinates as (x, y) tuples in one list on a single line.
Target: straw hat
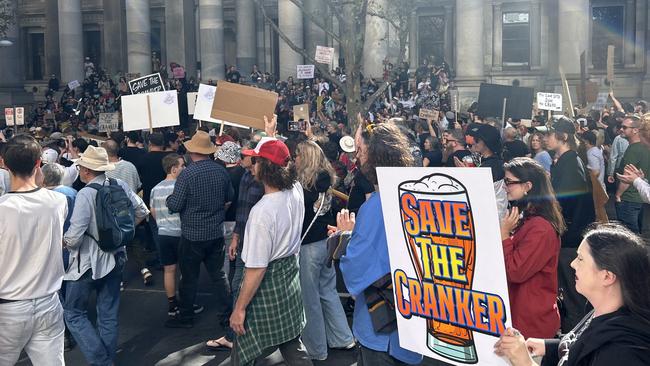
[(96, 159), (201, 144), (347, 144)]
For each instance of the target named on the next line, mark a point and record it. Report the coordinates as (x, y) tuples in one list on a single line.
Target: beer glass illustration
[(445, 339)]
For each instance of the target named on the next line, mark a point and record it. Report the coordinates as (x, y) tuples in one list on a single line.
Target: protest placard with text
[(151, 110), (549, 101), (20, 116), (305, 71), (446, 260), (147, 84), (9, 116), (108, 122), (324, 55), (428, 114), (74, 84)]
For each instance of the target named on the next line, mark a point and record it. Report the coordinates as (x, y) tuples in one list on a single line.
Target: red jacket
[(531, 257)]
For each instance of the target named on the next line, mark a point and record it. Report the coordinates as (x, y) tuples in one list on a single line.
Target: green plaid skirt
[(275, 315)]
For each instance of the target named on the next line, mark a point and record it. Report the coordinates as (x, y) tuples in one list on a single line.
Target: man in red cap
[(268, 313)]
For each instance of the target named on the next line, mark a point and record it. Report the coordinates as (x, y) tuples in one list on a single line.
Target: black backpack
[(115, 216)]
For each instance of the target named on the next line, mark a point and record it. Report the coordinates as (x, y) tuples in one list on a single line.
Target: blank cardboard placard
[(301, 112), (203, 106), (243, 105), (163, 106)]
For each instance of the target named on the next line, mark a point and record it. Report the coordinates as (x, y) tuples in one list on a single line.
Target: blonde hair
[(313, 161), (644, 129)]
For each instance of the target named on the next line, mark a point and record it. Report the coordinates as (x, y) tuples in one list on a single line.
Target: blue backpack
[(115, 216)]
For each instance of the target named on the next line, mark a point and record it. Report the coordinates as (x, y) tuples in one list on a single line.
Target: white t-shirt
[(31, 227), (595, 161), (273, 227)]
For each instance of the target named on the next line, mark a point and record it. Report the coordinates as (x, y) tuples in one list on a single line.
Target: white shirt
[(644, 189), (596, 162), (273, 227), (31, 234), (127, 172)]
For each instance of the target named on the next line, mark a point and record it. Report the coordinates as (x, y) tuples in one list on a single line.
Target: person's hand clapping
[(345, 221), (270, 127)]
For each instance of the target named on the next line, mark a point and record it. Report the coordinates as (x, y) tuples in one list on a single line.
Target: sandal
[(218, 345)]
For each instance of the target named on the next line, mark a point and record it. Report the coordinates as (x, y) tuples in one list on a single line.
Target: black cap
[(488, 134), (564, 125)]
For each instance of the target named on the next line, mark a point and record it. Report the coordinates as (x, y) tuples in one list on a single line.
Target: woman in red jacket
[(531, 245)]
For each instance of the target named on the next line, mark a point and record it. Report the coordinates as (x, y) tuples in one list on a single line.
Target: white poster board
[(203, 107), (601, 101), (74, 84), (460, 278), (163, 106), (549, 101), (191, 102), (20, 116), (305, 71), (324, 55), (109, 122), (9, 116)]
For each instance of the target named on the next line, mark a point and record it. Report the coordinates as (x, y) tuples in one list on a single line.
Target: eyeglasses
[(509, 182)]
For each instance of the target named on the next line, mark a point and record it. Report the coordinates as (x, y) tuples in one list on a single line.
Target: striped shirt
[(126, 172), (169, 224)]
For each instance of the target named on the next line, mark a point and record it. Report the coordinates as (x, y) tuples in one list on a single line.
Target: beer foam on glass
[(440, 192)]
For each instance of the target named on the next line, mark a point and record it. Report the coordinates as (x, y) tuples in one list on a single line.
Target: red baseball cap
[(272, 149)]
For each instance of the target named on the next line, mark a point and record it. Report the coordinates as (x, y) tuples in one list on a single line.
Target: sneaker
[(198, 309), (174, 310), (348, 347), (147, 277), (177, 322)]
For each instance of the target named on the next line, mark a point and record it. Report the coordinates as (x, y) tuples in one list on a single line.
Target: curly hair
[(386, 147), (274, 175)]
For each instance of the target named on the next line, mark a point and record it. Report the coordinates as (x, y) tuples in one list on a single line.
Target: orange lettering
[(410, 217), (496, 313)]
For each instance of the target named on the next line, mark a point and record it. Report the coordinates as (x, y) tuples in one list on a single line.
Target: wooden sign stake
[(149, 114), (221, 129)]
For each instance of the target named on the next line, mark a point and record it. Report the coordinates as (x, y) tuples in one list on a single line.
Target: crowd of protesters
[(273, 202)]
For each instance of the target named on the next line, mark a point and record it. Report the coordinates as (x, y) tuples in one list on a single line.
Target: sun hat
[(229, 153), (347, 144), (96, 159), (200, 144), (272, 149)]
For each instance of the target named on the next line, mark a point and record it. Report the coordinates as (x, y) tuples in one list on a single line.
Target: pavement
[(143, 339)]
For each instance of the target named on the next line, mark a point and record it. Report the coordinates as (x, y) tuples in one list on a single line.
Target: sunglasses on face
[(509, 182)]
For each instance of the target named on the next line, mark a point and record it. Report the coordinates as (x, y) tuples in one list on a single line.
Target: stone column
[(138, 28), (573, 30), (180, 35), (290, 22), (52, 52), (469, 40), (628, 43), (315, 35), (212, 45), (535, 20), (449, 24), (71, 41), (246, 36), (115, 40), (646, 49), (375, 49), (497, 38), (413, 42)]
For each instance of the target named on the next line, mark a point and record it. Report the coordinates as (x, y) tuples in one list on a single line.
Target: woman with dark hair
[(366, 258), (531, 246), (432, 155), (611, 271)]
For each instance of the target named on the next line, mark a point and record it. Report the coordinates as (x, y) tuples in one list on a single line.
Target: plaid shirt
[(200, 195), (275, 314), (250, 192)]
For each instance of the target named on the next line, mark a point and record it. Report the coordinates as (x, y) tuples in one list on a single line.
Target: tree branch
[(334, 9), (386, 18), (316, 21), (371, 99), (324, 72)]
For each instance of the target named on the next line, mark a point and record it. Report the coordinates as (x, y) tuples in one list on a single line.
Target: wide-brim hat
[(347, 144), (200, 144), (96, 159)]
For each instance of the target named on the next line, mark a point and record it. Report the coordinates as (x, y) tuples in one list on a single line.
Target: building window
[(608, 28), (516, 39), (431, 38)]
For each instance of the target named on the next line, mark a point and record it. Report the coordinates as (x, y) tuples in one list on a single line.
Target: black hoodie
[(618, 338)]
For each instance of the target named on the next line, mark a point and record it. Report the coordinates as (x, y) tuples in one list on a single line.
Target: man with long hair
[(271, 283)]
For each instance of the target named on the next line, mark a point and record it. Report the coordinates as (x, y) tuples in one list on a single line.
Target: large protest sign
[(519, 101), (108, 122), (151, 110), (191, 102), (601, 101), (446, 259), (20, 116), (9, 116), (324, 55), (305, 71), (428, 114), (147, 84), (549, 101), (203, 106), (301, 112), (243, 105)]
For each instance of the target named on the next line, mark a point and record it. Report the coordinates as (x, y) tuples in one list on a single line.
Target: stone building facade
[(483, 40)]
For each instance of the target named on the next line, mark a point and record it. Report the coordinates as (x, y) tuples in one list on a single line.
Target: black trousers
[(190, 256), (369, 357)]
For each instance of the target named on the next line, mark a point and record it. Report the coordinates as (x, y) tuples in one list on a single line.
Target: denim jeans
[(190, 256), (630, 214), (98, 345), (326, 321), (35, 326)]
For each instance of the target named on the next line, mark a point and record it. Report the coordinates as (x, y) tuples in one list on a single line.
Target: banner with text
[(446, 259), (324, 55), (147, 84), (305, 71), (162, 110), (109, 122), (549, 102)]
